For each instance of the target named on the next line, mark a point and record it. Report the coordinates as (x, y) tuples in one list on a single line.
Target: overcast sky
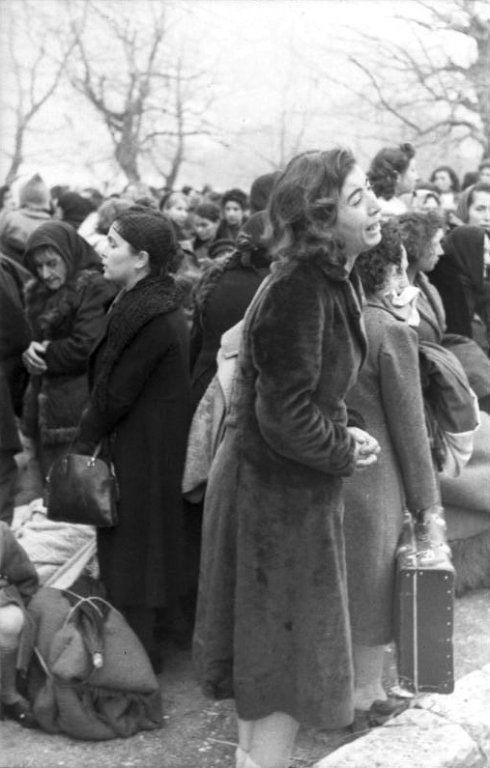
[(260, 56)]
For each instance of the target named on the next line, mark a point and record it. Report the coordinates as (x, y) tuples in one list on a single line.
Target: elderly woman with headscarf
[(66, 303), (139, 409)]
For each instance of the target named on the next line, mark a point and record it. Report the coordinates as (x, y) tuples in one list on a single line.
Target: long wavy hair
[(303, 207), (385, 167)]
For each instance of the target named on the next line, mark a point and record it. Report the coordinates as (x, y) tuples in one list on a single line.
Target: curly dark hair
[(303, 206), (417, 228), (372, 266), (235, 196), (451, 173), (385, 167)]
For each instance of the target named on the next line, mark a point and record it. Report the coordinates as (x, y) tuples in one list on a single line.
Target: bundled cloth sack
[(451, 407), (89, 676)]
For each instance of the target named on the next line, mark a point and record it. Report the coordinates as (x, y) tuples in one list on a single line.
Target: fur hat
[(235, 196), (34, 194)]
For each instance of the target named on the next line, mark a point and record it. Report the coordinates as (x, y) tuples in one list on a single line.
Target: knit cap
[(34, 194)]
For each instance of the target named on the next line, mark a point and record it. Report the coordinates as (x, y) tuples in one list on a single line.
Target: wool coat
[(388, 393), (70, 319), (272, 624), (221, 299), (145, 422)]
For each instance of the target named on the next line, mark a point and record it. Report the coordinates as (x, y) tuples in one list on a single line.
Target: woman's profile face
[(119, 260), (396, 276), (408, 179), (433, 253), (358, 214), (205, 228), (50, 267), (479, 210)]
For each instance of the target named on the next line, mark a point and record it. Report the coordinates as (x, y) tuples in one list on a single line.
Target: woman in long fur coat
[(272, 625)]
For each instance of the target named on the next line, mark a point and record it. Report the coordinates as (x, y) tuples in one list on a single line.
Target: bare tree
[(433, 79), (32, 73), (146, 95)]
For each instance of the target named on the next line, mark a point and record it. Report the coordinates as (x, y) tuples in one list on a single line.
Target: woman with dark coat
[(388, 394), (272, 623), (221, 297), (139, 407), (66, 304), (460, 279)]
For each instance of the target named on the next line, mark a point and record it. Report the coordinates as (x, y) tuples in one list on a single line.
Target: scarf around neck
[(149, 298)]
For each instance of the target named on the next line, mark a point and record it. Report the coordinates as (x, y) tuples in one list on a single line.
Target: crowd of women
[(340, 284)]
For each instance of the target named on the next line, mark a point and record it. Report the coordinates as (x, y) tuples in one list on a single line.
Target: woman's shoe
[(381, 711), (21, 712)]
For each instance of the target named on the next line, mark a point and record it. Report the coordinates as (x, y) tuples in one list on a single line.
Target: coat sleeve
[(288, 343), (70, 355), (15, 565), (401, 394), (126, 383)]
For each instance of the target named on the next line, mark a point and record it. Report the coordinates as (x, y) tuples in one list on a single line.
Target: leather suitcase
[(424, 614)]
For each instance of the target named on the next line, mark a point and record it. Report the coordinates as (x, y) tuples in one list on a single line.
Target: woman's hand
[(366, 448), (33, 357)]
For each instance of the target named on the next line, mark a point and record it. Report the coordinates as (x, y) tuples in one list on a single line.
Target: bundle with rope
[(89, 677)]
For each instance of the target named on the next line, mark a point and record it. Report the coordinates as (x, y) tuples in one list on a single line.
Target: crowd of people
[(343, 291)]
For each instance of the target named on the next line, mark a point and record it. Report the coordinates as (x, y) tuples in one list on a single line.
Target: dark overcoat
[(229, 294), (146, 421), (272, 620), (388, 394)]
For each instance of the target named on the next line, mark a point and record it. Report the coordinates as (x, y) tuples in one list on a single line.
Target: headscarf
[(73, 249), (463, 248)]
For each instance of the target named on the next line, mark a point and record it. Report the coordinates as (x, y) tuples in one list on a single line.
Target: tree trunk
[(18, 156), (127, 156)]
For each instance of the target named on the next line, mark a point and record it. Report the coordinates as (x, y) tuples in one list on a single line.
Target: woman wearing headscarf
[(66, 303), (139, 408)]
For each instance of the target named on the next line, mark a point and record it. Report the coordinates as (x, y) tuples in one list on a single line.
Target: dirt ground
[(199, 733)]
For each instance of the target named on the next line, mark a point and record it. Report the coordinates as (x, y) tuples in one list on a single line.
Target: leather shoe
[(21, 712)]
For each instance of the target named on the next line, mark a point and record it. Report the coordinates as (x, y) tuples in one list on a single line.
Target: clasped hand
[(366, 447), (33, 357)]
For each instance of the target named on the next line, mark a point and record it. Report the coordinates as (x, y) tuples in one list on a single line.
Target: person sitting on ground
[(18, 583), (234, 206), (392, 173), (17, 225)]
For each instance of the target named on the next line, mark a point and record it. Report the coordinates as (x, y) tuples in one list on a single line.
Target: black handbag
[(82, 489)]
